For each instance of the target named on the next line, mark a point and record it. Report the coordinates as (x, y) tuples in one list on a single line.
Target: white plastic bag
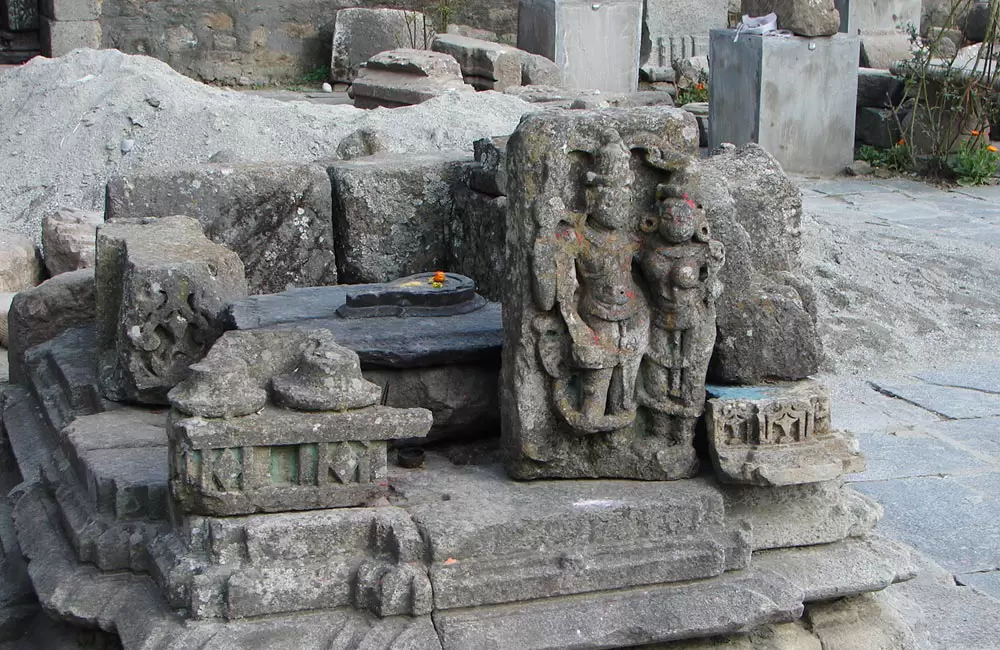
[(757, 25)]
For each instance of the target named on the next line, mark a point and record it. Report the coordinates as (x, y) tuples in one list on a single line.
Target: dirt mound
[(68, 124)]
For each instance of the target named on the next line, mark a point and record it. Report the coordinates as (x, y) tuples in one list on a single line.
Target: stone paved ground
[(930, 426)]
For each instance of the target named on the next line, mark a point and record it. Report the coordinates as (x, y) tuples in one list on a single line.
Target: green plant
[(947, 96), (442, 12), (696, 93), (897, 158), (974, 163), (317, 76)]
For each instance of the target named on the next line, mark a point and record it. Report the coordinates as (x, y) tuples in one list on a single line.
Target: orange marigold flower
[(700, 86), (901, 142), (439, 276), (992, 148), (976, 133)]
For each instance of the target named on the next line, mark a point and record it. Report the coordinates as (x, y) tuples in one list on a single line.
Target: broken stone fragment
[(20, 268), (68, 239), (327, 379), (485, 65), (160, 289), (361, 33), (777, 434), (404, 77), (801, 17)]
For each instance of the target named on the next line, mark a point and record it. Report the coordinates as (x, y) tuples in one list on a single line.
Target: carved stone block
[(160, 289), (281, 420), (609, 305), (777, 435)]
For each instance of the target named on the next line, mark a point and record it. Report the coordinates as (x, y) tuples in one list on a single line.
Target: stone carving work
[(281, 420), (607, 341), (160, 288), (777, 435)]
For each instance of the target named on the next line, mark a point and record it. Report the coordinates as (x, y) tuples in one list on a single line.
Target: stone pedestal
[(595, 43), (878, 15), (796, 97)]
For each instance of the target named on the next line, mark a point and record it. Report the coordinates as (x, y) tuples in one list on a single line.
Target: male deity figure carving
[(600, 304), (680, 263)]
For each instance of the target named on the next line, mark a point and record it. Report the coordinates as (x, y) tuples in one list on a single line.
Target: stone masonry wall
[(257, 41)]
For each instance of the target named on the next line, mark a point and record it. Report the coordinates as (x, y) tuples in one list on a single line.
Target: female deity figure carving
[(680, 263)]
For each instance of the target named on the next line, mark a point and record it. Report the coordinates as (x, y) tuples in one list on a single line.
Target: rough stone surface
[(592, 383), (234, 450), (403, 77), (361, 143), (476, 239), (485, 65), (878, 127), (276, 217), (40, 314), (777, 435), (859, 622), (801, 17), (678, 30), (879, 88), (5, 302), (591, 101), (880, 50), (766, 320), (20, 267), (68, 237), (64, 10), (391, 214), (802, 515), (361, 33), (463, 398), (537, 70), (160, 289), (59, 38)]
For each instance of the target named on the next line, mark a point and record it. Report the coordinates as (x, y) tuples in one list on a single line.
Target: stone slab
[(765, 89), (62, 374), (361, 33), (127, 483), (64, 10), (276, 217), (980, 435), (494, 540), (388, 343), (909, 452), (678, 30), (963, 535), (987, 582), (485, 65), (625, 618), (983, 377), (847, 568), (948, 401), (878, 14)]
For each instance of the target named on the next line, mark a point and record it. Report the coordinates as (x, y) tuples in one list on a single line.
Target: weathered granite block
[(491, 177), (276, 217), (485, 65), (62, 37), (476, 239), (361, 33), (20, 266), (777, 435), (879, 88), (404, 77), (160, 289), (603, 371), (71, 9), (233, 450), (391, 214), (68, 237), (40, 314)]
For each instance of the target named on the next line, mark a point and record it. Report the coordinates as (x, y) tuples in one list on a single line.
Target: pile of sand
[(68, 124)]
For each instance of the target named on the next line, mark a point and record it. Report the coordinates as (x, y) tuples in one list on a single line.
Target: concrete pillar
[(795, 96), (595, 42)]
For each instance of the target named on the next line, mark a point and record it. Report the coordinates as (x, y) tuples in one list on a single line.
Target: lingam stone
[(609, 315)]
